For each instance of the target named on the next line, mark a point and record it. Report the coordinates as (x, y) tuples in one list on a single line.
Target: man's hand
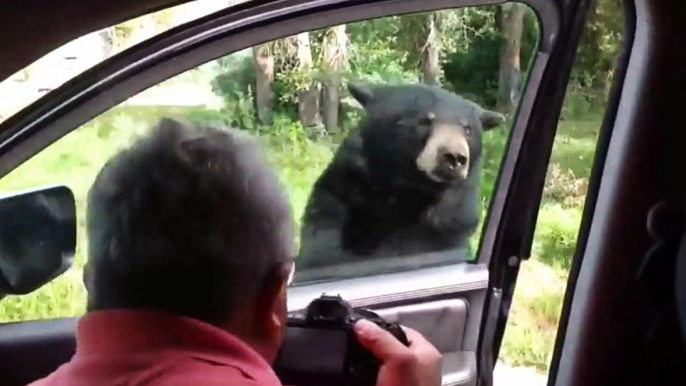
[(416, 365)]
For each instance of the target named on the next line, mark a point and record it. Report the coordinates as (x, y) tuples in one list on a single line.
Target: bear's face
[(445, 153), (422, 134)]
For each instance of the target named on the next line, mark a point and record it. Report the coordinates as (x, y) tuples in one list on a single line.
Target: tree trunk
[(308, 98), (600, 83), (106, 37), (334, 57), (510, 67), (430, 53), (264, 79)]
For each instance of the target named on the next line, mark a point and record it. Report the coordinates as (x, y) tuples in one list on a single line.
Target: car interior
[(623, 320)]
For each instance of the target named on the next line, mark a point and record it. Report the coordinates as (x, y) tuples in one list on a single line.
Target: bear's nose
[(454, 160)]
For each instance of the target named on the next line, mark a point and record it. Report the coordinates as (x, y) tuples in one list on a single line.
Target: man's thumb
[(380, 342)]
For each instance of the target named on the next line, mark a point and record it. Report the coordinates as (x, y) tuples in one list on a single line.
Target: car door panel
[(394, 288), (31, 350), (443, 323), (434, 301)]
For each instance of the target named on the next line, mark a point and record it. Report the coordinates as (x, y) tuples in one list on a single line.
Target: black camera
[(321, 348)]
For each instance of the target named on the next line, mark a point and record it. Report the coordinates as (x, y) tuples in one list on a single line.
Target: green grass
[(534, 315), (75, 159)]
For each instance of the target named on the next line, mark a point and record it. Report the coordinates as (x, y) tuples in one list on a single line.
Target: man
[(190, 245)]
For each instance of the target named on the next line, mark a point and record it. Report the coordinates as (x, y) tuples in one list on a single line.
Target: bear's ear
[(490, 119), (360, 93)]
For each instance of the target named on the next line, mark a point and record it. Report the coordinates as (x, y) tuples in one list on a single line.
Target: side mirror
[(37, 238)]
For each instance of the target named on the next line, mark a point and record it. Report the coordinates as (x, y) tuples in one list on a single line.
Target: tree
[(431, 69), (308, 93), (264, 80), (599, 49), (511, 23), (107, 37), (421, 42), (136, 30), (334, 59), (428, 39)]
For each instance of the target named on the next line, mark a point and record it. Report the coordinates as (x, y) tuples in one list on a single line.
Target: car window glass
[(52, 70), (387, 134)]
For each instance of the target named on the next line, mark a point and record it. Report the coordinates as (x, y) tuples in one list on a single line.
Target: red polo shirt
[(127, 348)]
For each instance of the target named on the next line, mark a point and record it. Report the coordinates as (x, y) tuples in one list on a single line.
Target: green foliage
[(375, 60), (236, 74), (556, 232), (598, 52), (123, 34), (530, 333), (389, 50), (235, 83), (474, 73), (473, 69), (531, 36)]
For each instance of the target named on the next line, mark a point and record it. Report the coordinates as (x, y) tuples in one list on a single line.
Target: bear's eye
[(465, 126), (426, 121)]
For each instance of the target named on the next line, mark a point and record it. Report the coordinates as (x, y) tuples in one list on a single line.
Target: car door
[(458, 298)]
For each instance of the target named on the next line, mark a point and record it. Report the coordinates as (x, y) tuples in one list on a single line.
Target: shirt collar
[(121, 331)]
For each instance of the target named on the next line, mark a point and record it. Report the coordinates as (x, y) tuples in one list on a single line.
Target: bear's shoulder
[(347, 175)]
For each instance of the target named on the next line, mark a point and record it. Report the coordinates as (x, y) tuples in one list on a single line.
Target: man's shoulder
[(185, 371), (207, 372)]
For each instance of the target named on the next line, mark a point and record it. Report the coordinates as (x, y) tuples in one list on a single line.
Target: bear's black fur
[(373, 201)]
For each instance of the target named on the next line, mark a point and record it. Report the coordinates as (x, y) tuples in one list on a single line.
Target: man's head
[(190, 220)]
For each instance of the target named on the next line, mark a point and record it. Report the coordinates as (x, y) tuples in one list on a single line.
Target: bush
[(582, 101), (556, 232), (236, 74), (534, 314), (473, 72), (562, 187)]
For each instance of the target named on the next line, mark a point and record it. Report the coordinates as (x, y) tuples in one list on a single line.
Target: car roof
[(33, 28)]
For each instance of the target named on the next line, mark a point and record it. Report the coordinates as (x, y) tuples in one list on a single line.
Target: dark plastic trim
[(599, 162), (514, 229)]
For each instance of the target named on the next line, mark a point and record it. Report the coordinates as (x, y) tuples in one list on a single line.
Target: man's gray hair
[(189, 219)]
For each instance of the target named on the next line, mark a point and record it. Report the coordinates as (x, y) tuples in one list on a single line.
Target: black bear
[(406, 182)]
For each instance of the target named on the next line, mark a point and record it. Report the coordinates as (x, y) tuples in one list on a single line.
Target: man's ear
[(490, 119), (291, 274), (263, 319), (271, 302), (87, 281)]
